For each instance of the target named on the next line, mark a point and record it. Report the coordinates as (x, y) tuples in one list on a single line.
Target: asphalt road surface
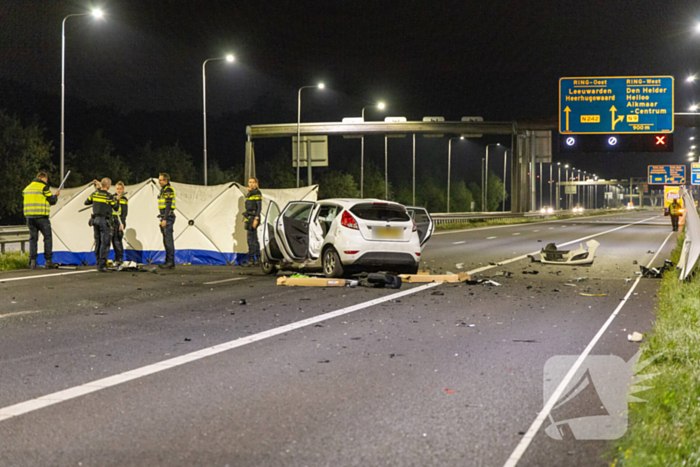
[(171, 369)]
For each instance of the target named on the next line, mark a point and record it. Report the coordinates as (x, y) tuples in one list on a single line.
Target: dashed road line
[(45, 275), (459, 243), (516, 233), (18, 313), (490, 238)]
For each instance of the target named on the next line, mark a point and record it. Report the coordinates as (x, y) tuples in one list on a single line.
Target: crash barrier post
[(691, 245), (13, 234)]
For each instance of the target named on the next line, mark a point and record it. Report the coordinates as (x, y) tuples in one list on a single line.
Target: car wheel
[(332, 267), (268, 268)]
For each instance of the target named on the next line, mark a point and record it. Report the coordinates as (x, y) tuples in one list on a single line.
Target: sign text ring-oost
[(616, 105)]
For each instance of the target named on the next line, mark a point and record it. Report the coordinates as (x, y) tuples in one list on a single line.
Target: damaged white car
[(340, 236), (551, 255)]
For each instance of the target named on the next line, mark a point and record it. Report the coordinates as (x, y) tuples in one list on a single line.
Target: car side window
[(299, 212)]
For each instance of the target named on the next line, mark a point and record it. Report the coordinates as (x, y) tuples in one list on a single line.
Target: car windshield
[(380, 212)]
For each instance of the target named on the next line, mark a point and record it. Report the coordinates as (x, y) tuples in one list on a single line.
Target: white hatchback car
[(340, 236)]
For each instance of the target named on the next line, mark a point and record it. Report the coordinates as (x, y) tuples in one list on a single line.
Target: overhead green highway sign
[(616, 105)]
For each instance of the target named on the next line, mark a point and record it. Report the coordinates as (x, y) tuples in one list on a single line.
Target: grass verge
[(516, 220), (14, 260), (665, 430)]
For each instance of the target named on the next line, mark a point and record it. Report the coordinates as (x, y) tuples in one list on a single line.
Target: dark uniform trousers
[(168, 242), (117, 236), (253, 244), (674, 222), (43, 225), (103, 234)]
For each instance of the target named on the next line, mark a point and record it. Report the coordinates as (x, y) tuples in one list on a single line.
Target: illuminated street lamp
[(485, 185), (308, 156), (229, 58), (690, 79), (380, 106), (97, 14), (449, 167), (693, 107)]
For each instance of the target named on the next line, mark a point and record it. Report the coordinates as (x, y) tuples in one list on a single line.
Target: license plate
[(388, 232)]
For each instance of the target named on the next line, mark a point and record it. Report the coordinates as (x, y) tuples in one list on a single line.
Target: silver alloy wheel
[(329, 262)]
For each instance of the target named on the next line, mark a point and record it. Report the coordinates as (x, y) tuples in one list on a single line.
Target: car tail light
[(417, 254), (348, 221), (415, 227), (351, 252)]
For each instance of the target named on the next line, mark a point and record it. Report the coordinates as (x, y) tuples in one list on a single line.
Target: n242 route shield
[(616, 105)]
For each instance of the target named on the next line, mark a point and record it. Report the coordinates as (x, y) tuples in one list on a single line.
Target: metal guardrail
[(13, 234), (465, 217)]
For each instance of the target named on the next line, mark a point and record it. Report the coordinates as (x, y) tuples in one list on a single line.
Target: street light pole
[(505, 155), (98, 15), (229, 58), (362, 154), (558, 205), (308, 156), (449, 168), (485, 187), (550, 186)]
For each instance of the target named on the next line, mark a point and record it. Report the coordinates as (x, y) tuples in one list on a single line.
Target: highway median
[(663, 430)]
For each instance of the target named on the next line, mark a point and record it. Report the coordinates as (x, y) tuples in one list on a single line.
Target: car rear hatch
[(383, 222)]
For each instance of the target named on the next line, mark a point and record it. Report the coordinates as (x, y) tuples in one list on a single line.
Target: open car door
[(293, 230), (270, 241), (424, 223)]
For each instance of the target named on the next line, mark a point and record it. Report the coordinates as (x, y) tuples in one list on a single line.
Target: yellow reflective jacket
[(38, 199)]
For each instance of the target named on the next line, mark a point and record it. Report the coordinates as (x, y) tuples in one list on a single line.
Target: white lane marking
[(508, 225), (535, 427), (516, 233), (459, 243), (45, 275), (18, 313), (94, 386), (535, 230), (226, 280), (518, 258), (551, 228), (490, 238)]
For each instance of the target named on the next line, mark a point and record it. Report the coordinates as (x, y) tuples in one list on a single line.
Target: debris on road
[(551, 255), (437, 292), (571, 285), (592, 294), (242, 301), (492, 283), (635, 337), (655, 273), (315, 282), (531, 272), (379, 280), (459, 265), (449, 278), (503, 274)]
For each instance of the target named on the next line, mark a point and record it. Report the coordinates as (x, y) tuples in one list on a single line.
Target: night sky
[(497, 59)]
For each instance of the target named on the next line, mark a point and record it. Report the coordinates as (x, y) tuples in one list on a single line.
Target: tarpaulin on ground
[(208, 227)]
